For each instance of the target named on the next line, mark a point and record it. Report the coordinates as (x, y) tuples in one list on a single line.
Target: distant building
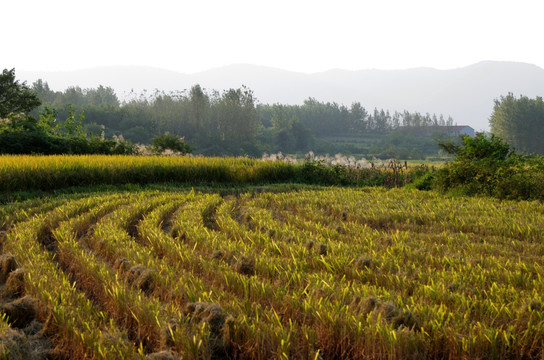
[(456, 130)]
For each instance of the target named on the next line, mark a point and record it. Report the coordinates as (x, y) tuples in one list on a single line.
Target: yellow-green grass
[(44, 173), (28, 172), (338, 273)]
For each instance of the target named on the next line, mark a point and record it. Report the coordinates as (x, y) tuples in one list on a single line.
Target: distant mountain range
[(466, 94)]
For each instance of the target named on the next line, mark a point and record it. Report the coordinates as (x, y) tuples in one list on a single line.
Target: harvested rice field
[(326, 273)]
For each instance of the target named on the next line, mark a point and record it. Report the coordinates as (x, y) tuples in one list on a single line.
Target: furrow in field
[(78, 327), (447, 266), (222, 273), (168, 293), (105, 282), (147, 290), (222, 283)]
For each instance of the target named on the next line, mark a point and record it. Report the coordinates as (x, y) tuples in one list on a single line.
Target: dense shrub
[(37, 142), (488, 166), (23, 134)]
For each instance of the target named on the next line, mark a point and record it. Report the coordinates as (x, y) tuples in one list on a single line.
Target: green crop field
[(326, 273)]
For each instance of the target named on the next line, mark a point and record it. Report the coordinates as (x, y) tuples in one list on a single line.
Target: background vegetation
[(234, 123), (21, 133)]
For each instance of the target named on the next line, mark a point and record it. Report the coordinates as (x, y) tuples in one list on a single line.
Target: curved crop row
[(331, 273)]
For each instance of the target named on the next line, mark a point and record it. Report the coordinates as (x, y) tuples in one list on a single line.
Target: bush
[(37, 142), (167, 141), (317, 172), (488, 166)]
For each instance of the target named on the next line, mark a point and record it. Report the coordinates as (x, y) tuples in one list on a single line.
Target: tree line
[(231, 122), (520, 122)]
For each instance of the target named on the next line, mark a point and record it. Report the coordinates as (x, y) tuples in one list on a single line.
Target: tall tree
[(199, 109), (358, 117), (15, 97), (46, 95), (102, 96), (236, 116), (280, 117), (74, 96), (520, 122)]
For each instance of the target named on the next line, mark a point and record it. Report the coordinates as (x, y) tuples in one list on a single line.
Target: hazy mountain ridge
[(466, 94)]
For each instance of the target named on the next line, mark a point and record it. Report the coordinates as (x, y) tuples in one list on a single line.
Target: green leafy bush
[(489, 166)]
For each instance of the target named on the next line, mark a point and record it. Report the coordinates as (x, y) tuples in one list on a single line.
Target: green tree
[(46, 95), (280, 117), (236, 116), (491, 149), (358, 117), (301, 135), (74, 125), (102, 96), (199, 109), (520, 122), (47, 121), (72, 96), (15, 97)]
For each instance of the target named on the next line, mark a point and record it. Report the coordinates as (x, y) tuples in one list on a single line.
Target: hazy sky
[(307, 36)]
